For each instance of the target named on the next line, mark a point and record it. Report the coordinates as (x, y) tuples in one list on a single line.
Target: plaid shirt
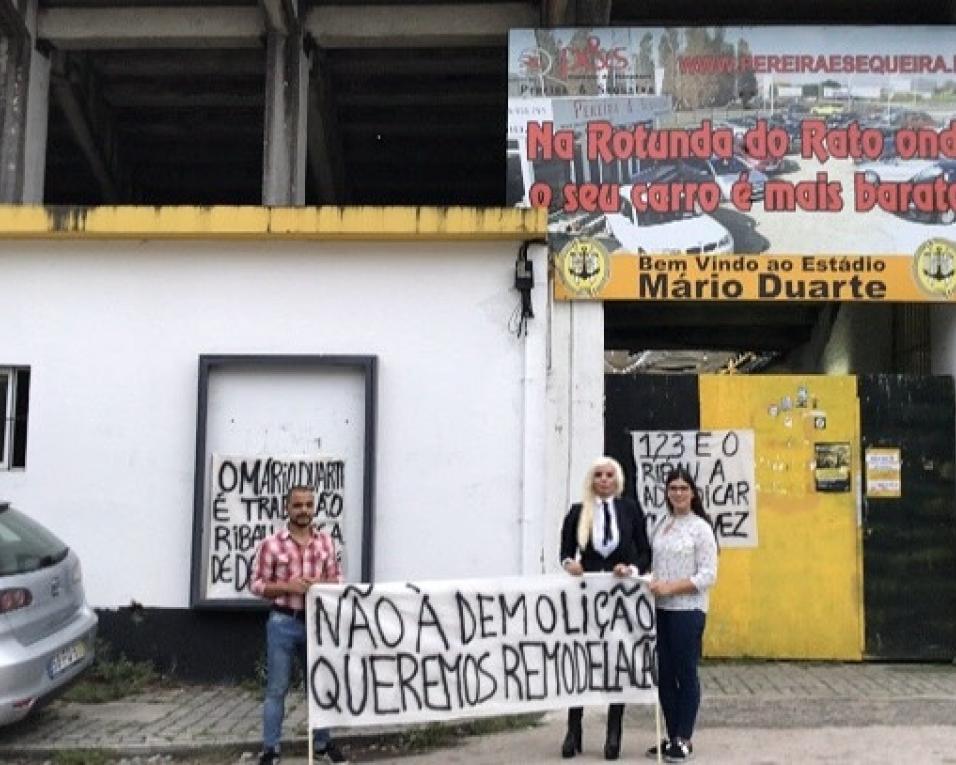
[(280, 559)]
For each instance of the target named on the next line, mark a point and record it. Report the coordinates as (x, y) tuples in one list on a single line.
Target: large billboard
[(744, 163)]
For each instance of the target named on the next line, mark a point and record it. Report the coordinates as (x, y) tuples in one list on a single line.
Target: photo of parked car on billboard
[(840, 134)]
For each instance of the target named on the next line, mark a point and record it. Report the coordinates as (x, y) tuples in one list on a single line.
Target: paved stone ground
[(168, 720), (881, 745), (760, 712)]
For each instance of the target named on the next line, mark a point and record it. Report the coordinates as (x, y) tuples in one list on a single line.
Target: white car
[(738, 126), (725, 172), (688, 233), (47, 630), (915, 172), (894, 170)]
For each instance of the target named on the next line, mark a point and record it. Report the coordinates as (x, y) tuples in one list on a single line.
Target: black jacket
[(633, 547)]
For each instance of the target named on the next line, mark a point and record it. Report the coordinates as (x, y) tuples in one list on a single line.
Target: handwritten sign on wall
[(247, 504), (416, 652), (721, 463)]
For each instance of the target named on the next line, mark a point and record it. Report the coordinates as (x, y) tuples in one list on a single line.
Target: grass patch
[(82, 757), (257, 683), (110, 678), (424, 738)]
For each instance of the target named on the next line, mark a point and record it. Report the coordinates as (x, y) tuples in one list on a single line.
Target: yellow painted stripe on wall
[(349, 223), (799, 593)]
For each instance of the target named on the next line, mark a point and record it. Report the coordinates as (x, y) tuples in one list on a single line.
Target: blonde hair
[(586, 519)]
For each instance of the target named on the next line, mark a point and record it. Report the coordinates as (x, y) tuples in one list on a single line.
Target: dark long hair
[(696, 505)]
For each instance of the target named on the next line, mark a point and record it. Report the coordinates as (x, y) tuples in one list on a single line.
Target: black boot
[(612, 745), (572, 739)]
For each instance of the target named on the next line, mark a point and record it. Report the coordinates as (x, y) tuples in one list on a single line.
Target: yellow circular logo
[(583, 266), (934, 265)]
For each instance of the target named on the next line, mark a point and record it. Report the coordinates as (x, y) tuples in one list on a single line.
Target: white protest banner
[(721, 463), (247, 504), (416, 652)]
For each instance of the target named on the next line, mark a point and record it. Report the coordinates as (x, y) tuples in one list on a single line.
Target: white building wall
[(112, 332)]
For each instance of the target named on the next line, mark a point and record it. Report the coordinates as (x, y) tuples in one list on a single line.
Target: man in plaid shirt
[(287, 564)]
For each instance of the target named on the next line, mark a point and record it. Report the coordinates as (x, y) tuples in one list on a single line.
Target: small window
[(14, 408)]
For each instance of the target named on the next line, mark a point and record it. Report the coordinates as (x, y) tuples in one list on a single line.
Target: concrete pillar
[(24, 95), (536, 520), (575, 415), (286, 106), (37, 120), (14, 98)]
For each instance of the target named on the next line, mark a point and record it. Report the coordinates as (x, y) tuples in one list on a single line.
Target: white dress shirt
[(598, 530)]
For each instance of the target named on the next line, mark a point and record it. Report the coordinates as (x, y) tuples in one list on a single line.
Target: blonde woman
[(603, 532)]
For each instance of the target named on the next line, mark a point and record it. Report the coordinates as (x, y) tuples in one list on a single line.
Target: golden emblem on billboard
[(584, 266), (935, 266)]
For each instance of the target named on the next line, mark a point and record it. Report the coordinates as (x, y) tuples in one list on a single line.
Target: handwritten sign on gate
[(417, 652), (721, 463), (247, 504)]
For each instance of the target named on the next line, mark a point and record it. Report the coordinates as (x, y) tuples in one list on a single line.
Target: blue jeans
[(679, 635), (285, 638)]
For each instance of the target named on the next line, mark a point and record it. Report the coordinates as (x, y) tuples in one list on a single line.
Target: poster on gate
[(739, 163), (428, 651), (721, 463)]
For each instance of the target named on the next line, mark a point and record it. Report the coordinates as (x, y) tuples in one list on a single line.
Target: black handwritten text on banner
[(404, 652), (247, 504), (721, 463)]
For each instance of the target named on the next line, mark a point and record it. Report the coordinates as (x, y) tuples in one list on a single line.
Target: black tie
[(607, 523)]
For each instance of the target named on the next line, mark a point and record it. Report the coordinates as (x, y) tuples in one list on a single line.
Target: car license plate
[(66, 658)]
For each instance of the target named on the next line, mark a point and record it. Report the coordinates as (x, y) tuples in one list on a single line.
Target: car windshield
[(25, 545), (698, 166)]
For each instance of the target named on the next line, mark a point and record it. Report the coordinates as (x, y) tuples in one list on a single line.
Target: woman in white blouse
[(684, 568)]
